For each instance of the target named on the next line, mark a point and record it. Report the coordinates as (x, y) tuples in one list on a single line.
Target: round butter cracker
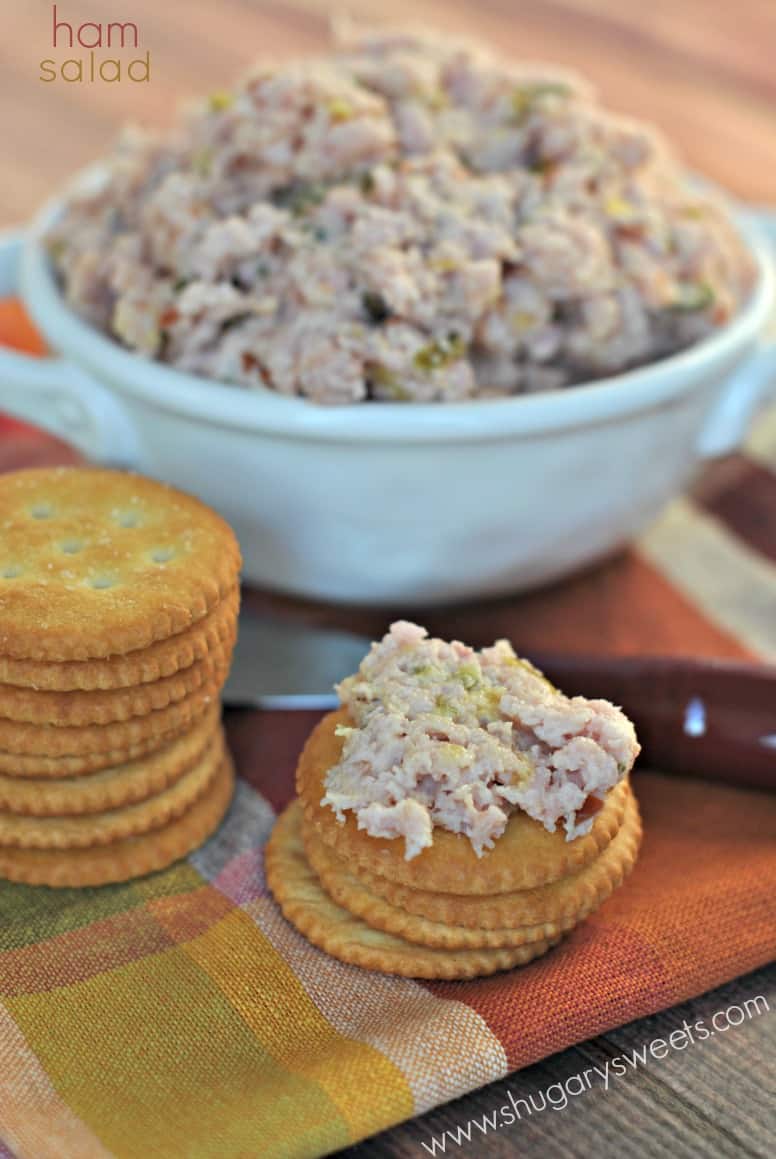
[(132, 857), (112, 788), (76, 709), (22, 765), (556, 906), (526, 855), (115, 824), (308, 907), (96, 562), (215, 631), (162, 724), (349, 892)]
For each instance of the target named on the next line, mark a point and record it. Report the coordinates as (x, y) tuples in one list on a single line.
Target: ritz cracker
[(119, 599), (442, 826)]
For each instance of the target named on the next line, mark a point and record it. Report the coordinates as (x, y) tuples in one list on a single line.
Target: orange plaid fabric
[(182, 1015)]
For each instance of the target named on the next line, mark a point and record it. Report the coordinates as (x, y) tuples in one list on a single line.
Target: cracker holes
[(42, 511), (128, 519), (71, 546), (162, 554), (11, 571), (101, 583)]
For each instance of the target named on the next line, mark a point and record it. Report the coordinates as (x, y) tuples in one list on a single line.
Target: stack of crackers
[(446, 913), (118, 615)]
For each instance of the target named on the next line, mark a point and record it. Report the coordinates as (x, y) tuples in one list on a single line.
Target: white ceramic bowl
[(397, 503)]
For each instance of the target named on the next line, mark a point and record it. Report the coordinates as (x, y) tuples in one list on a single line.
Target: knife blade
[(281, 664)]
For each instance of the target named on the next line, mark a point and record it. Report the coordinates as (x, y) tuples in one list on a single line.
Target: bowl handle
[(752, 384), (57, 395)]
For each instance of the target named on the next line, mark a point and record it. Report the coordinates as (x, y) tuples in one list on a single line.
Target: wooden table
[(715, 1099), (702, 69)]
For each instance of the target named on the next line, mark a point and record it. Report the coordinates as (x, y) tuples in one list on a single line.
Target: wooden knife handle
[(713, 719)]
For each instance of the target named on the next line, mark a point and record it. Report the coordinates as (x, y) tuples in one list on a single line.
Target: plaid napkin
[(181, 1015)]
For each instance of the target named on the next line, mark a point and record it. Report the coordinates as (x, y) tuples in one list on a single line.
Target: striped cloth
[(181, 1015)]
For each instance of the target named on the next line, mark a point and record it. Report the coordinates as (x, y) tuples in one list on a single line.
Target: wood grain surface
[(704, 71), (716, 1098)]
